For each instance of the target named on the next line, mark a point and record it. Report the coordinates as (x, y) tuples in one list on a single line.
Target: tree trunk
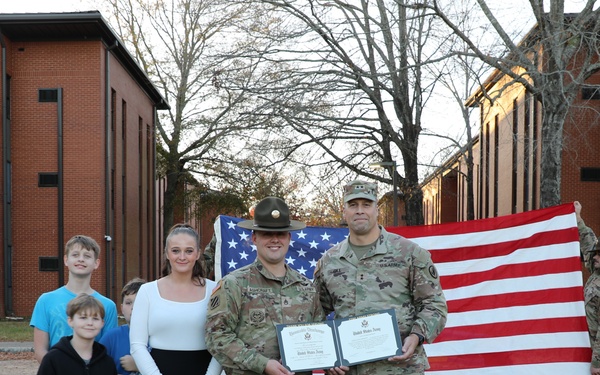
[(554, 110), (413, 196), (173, 194), (469, 183), (413, 201)]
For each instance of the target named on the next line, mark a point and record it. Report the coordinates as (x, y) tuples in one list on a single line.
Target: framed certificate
[(332, 343)]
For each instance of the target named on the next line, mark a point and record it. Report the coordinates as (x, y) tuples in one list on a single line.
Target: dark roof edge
[(57, 16), (107, 34)]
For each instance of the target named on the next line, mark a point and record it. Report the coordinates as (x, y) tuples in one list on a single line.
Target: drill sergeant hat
[(272, 214)]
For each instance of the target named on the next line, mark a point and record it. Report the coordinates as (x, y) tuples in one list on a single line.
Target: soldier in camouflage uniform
[(248, 302), (587, 238), (209, 257), (374, 270), (591, 255)]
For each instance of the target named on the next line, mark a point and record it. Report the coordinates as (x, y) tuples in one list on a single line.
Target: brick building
[(78, 118), (507, 157)]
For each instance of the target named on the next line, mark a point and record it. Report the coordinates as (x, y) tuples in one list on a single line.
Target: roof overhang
[(90, 25)]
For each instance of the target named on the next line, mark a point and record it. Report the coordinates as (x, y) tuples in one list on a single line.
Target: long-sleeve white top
[(168, 325)]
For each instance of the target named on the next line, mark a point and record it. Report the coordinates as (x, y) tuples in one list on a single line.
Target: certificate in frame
[(346, 341)]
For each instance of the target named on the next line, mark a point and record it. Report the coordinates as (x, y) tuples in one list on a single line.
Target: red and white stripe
[(514, 291)]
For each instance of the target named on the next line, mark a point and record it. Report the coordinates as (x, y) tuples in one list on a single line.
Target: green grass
[(15, 330), (19, 330)]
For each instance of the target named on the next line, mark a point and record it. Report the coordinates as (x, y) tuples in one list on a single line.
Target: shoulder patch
[(215, 302), (433, 271), (217, 287)]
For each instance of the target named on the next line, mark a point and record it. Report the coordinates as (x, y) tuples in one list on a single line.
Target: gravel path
[(18, 364)]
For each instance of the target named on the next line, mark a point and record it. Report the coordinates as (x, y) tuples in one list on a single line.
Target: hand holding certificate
[(333, 343)]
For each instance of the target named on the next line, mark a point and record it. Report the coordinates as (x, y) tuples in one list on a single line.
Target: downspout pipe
[(155, 247), (61, 201), (108, 161), (7, 195)]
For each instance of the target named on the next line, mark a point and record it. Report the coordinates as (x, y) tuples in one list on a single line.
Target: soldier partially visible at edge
[(209, 257), (248, 302), (587, 238), (374, 270), (588, 244)]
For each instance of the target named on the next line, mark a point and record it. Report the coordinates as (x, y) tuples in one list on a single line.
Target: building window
[(48, 263), (47, 179), (590, 174), (47, 95), (590, 93)]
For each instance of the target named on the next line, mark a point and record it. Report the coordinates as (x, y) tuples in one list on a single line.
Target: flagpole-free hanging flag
[(513, 286)]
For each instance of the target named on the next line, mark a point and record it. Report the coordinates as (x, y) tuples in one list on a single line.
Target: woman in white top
[(170, 313)]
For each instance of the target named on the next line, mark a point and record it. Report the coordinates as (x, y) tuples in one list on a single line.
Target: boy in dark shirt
[(79, 354)]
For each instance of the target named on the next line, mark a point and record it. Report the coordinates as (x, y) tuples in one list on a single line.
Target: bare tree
[(552, 63), (326, 197), (353, 86), (180, 45), (458, 77)]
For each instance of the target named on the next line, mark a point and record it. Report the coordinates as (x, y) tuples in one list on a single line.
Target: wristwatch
[(421, 338)]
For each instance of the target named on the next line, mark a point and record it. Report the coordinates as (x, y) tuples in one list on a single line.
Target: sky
[(44, 6), (439, 116)]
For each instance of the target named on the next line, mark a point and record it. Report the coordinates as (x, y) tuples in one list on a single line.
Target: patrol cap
[(360, 189), (272, 214)]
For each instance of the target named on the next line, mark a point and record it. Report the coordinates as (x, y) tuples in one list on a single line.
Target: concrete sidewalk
[(16, 347)]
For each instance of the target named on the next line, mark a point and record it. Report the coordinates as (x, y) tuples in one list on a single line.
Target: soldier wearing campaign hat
[(248, 302), (374, 270)]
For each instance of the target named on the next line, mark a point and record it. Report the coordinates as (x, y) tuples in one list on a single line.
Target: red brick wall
[(76, 68), (79, 69), (581, 149), (132, 235)]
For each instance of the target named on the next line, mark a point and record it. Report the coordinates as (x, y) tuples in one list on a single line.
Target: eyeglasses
[(594, 253)]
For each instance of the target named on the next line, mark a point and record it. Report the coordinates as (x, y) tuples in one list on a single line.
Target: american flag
[(235, 249), (513, 286)]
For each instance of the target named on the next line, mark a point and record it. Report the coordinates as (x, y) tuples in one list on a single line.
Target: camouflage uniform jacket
[(209, 257), (243, 311), (592, 313), (395, 273), (587, 241)]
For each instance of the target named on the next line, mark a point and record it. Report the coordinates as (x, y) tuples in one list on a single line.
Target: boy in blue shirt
[(116, 340), (49, 318)]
